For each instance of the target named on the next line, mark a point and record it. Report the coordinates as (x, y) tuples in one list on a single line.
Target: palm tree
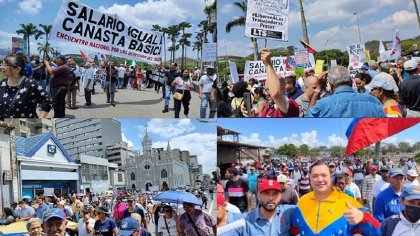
[(198, 44), (240, 21), (163, 30), (303, 19), (183, 26), (417, 11), (184, 42), (45, 30), (211, 10), (46, 48), (27, 31), (173, 33)]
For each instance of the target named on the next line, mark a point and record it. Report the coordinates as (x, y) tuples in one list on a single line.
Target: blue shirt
[(387, 203), (232, 217), (347, 104), (280, 225), (252, 180), (39, 213)]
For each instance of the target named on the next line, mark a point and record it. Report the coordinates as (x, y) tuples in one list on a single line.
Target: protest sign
[(19, 45), (233, 72), (267, 19), (319, 66), (209, 52), (356, 55), (48, 192), (79, 24), (301, 58), (333, 63), (256, 69)]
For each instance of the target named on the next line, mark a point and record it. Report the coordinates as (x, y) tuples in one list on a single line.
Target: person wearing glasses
[(195, 221), (167, 224), (20, 96)]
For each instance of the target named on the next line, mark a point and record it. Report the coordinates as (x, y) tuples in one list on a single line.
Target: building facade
[(119, 153), (94, 174), (158, 166), (88, 136)]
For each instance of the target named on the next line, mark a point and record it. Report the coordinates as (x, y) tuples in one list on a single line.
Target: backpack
[(72, 78)]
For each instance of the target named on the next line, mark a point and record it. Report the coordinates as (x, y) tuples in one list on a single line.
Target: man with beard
[(269, 218), (327, 211), (408, 221), (237, 190)]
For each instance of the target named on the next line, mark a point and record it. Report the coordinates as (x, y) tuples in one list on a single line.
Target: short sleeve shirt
[(105, 229), (207, 82), (26, 212), (202, 220), (171, 226), (61, 76), (81, 226), (236, 190)]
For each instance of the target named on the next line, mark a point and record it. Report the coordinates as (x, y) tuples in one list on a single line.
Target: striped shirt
[(236, 190)]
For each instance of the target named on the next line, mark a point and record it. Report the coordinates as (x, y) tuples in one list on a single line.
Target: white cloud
[(227, 8), (201, 144), (125, 139), (335, 140), (170, 128), (31, 6)]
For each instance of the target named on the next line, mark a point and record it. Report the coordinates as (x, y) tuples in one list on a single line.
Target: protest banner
[(233, 72), (302, 58), (19, 45), (319, 66), (333, 63), (256, 69), (267, 19), (48, 192), (356, 55), (79, 24), (209, 52)]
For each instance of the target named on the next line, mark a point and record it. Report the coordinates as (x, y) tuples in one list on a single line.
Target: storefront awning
[(48, 175)]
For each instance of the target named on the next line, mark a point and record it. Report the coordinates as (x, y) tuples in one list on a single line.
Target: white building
[(158, 166), (94, 174), (119, 153)]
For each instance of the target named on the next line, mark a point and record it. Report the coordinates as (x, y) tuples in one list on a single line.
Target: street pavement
[(129, 104)]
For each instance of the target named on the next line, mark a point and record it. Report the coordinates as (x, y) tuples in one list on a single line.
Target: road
[(129, 104)]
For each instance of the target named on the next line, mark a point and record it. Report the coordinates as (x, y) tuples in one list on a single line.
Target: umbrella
[(178, 197)]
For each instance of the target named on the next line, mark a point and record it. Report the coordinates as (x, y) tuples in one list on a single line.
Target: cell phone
[(248, 102)]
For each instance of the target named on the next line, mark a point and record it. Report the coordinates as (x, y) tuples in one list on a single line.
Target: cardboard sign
[(267, 19), (233, 72), (109, 34), (256, 69), (319, 66), (333, 63), (209, 52), (301, 58), (48, 192), (356, 55)]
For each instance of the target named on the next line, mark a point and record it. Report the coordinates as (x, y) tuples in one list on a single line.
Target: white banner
[(333, 63), (356, 55), (256, 69), (233, 72), (48, 192), (267, 19), (79, 24), (209, 52)]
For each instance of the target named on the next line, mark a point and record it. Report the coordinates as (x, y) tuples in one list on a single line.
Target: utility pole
[(358, 26), (417, 11), (303, 19)]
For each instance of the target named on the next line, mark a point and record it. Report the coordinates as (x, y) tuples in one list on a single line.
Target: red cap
[(285, 169), (220, 199), (269, 184), (373, 167)]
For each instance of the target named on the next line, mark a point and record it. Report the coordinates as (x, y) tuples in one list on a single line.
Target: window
[(146, 167), (164, 174), (133, 176), (120, 177)]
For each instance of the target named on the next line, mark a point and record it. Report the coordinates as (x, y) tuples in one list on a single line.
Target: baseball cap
[(373, 167), (210, 67), (410, 65), (412, 173), (220, 199), (285, 169), (347, 171), (384, 168), (282, 179), (378, 82), (128, 226), (331, 164), (410, 192), (62, 57), (395, 172), (269, 184), (54, 212), (364, 67)]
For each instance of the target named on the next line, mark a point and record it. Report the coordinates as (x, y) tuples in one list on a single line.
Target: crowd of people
[(124, 213), (31, 87), (381, 89), (323, 196)]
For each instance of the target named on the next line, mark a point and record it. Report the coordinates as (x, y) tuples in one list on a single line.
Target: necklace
[(12, 83)]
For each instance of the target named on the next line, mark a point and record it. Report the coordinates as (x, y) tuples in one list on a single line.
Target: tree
[(304, 150), (303, 19), (287, 149), (391, 148), (185, 42), (173, 33), (163, 30), (27, 31), (336, 150), (240, 21), (184, 38), (44, 31), (46, 48), (198, 44), (404, 147), (211, 10), (416, 147)]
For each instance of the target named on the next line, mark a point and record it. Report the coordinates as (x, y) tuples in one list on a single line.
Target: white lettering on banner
[(256, 69), (209, 52), (267, 19), (356, 55), (109, 34)]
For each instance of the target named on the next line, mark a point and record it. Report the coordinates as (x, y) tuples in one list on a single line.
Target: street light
[(358, 26)]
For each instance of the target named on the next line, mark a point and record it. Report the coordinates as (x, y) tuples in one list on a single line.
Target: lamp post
[(358, 26), (326, 52)]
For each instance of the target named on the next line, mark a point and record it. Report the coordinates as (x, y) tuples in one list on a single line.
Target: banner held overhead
[(109, 34)]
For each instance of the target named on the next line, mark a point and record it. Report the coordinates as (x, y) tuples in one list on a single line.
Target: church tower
[(147, 145)]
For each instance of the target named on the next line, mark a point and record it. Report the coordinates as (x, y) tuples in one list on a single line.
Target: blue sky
[(147, 13), (186, 134), (331, 20), (314, 132)]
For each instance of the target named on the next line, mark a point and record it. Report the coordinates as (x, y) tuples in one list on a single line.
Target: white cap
[(410, 65), (412, 173)]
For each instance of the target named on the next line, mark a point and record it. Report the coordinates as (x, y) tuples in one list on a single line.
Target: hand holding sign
[(266, 56), (352, 214)]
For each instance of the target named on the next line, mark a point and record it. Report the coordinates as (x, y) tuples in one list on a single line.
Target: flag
[(396, 46), (363, 132), (85, 57), (290, 63), (307, 46)]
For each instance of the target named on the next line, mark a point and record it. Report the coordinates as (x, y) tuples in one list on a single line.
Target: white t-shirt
[(207, 82), (89, 75), (121, 72), (81, 226), (379, 186), (355, 189), (171, 226)]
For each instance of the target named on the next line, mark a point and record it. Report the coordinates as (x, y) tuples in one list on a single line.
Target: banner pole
[(266, 43)]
